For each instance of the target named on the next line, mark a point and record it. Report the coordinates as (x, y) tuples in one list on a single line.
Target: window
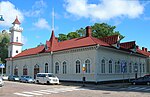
[(8, 69), (16, 39), (125, 67), (77, 66), (56, 67), (25, 72), (140, 67), (16, 70), (117, 67), (87, 66), (135, 67), (110, 66), (36, 70), (103, 66), (16, 51), (143, 68), (64, 68), (130, 68), (46, 68)]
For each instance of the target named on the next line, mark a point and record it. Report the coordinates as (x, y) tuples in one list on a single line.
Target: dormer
[(129, 45), (113, 40)]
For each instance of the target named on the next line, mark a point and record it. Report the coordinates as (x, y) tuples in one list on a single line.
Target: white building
[(105, 59)]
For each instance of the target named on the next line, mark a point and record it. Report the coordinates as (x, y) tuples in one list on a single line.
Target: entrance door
[(36, 70)]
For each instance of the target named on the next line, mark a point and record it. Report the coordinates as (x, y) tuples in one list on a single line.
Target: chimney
[(143, 49), (137, 47), (88, 31), (146, 49)]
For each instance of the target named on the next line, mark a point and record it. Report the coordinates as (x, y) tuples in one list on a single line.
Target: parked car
[(13, 78), (4, 77), (142, 80), (47, 78), (26, 78), (1, 82)]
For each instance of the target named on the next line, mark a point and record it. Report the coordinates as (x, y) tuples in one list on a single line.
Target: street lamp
[(1, 18)]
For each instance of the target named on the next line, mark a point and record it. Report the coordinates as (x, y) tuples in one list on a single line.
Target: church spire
[(53, 15), (16, 21)]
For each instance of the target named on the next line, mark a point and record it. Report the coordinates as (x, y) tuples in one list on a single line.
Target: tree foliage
[(103, 30), (4, 41), (99, 30)]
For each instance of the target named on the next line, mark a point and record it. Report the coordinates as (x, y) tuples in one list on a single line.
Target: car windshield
[(15, 76), (28, 76), (51, 75)]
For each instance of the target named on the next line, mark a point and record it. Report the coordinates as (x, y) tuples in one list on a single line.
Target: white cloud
[(24, 40), (37, 9), (105, 9), (9, 13), (42, 24)]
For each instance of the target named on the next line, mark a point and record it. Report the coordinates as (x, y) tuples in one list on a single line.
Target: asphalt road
[(17, 89)]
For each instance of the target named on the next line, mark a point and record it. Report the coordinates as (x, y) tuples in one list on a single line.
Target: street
[(17, 89)]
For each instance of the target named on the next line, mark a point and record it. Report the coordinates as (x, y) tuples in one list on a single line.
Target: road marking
[(136, 88), (23, 94), (42, 92), (48, 91), (32, 93)]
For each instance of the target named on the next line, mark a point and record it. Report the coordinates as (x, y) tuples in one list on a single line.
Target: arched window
[(16, 70), (46, 68), (117, 67), (87, 66), (8, 69), (16, 39), (130, 68), (25, 71), (110, 66), (103, 66), (135, 67), (36, 70), (77, 66), (64, 67), (143, 68), (140, 68), (56, 67)]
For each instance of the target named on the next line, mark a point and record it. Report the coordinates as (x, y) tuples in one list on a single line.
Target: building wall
[(115, 56), (94, 54), (70, 58)]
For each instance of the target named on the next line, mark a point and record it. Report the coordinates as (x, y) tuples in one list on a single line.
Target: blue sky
[(131, 18)]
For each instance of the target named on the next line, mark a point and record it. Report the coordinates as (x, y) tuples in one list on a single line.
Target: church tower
[(15, 45)]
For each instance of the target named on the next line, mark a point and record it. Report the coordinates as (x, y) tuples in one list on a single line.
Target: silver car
[(1, 82)]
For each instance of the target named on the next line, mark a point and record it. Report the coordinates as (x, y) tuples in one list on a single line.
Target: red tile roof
[(31, 51), (16, 43), (146, 53), (16, 21), (111, 39), (128, 45), (54, 45)]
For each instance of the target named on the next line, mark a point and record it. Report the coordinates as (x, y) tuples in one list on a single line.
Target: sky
[(131, 18)]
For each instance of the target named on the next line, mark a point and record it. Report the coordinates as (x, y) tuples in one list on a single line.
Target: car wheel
[(134, 83), (37, 81), (148, 83), (47, 82)]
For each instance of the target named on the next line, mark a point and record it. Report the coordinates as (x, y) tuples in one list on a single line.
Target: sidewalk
[(92, 85)]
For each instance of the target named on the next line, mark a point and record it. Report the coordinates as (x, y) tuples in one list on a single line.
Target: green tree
[(72, 35), (4, 42), (99, 30), (81, 32), (62, 37), (103, 30)]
